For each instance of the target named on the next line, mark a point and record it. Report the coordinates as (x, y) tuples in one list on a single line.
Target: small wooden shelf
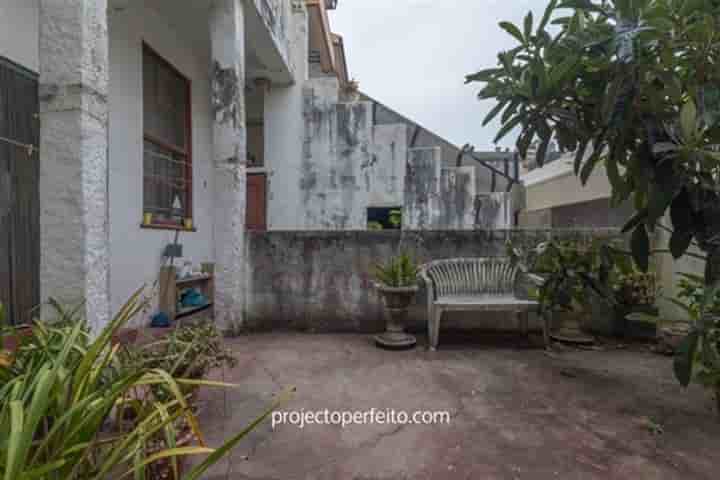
[(195, 279), (172, 287)]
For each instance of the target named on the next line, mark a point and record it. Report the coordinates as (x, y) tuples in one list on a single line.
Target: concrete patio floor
[(517, 413)]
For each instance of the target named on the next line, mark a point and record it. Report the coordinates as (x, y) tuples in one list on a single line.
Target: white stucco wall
[(384, 177), (136, 252), (341, 165), (556, 184), (19, 32), (284, 133)]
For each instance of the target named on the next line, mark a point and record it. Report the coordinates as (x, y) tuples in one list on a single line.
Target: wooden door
[(256, 202), (19, 193)]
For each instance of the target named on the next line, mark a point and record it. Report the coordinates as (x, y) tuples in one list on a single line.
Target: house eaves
[(340, 59), (322, 35)]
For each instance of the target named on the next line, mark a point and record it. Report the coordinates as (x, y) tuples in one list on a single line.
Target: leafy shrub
[(60, 397), (569, 271), (634, 287), (691, 296), (703, 306), (187, 352)]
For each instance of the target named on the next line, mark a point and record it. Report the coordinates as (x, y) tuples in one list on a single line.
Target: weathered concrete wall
[(351, 161), (493, 210), (384, 175), (346, 164), (322, 281), (420, 137), (445, 198), (456, 209), (422, 188), (19, 32), (284, 133)]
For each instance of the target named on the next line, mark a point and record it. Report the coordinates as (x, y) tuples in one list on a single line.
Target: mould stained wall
[(322, 281), (457, 199), (348, 164), (383, 176), (422, 179), (493, 210), (337, 145)]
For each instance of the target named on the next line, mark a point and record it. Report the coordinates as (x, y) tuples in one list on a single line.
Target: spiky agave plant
[(399, 271), (60, 391)]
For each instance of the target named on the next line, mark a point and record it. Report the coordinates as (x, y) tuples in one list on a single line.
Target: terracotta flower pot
[(626, 328), (397, 301), (569, 327), (12, 342)]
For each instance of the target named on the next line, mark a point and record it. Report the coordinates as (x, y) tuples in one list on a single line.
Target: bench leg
[(434, 327), (523, 322)]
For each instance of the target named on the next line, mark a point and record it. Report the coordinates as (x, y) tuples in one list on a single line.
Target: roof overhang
[(320, 34), (340, 59)]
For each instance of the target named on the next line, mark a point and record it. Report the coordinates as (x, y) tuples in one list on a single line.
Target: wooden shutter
[(19, 193)]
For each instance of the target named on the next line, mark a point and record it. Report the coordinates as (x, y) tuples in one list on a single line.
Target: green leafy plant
[(569, 270), (187, 352), (396, 218), (632, 85), (634, 288), (399, 271), (375, 226), (696, 299), (63, 397), (691, 295)]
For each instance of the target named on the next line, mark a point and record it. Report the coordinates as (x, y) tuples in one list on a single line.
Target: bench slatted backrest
[(471, 276)]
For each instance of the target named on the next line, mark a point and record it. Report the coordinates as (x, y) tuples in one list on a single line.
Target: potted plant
[(572, 272), (396, 281), (635, 294), (188, 352)]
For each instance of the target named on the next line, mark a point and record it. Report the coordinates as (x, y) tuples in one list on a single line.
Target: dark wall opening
[(389, 218)]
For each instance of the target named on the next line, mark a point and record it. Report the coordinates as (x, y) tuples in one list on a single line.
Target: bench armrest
[(536, 279), (429, 285)]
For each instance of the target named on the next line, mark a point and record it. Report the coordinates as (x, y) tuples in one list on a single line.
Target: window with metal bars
[(167, 164)]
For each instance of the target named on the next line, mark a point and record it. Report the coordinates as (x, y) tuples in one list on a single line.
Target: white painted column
[(73, 154), (230, 157)]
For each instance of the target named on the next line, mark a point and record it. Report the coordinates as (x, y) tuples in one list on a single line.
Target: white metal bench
[(468, 284)]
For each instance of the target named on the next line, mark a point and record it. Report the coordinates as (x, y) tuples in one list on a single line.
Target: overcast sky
[(413, 55)]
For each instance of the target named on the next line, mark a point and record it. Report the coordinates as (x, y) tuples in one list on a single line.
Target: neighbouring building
[(124, 123), (554, 196)]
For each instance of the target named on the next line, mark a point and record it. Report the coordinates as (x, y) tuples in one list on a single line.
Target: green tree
[(633, 85)]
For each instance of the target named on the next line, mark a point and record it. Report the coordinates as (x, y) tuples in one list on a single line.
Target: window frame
[(188, 152)]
